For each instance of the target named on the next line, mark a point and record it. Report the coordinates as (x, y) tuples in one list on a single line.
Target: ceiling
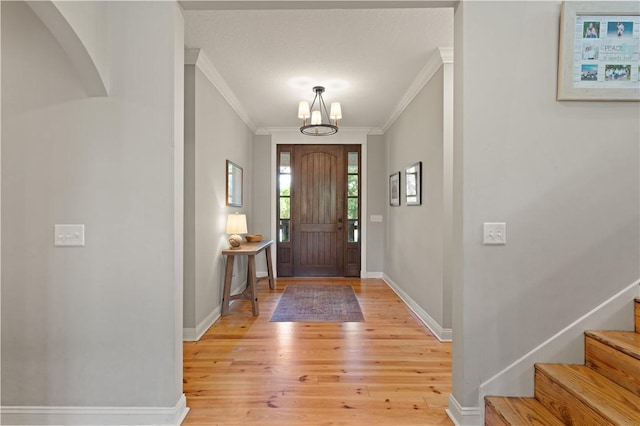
[(368, 59)]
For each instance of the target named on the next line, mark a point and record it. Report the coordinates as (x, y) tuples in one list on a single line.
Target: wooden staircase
[(604, 391)]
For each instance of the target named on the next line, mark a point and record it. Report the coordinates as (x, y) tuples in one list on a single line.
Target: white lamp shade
[(303, 110), (336, 111), (237, 224), (316, 118)]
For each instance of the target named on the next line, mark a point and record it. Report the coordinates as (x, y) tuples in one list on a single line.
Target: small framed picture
[(413, 190), (394, 189)]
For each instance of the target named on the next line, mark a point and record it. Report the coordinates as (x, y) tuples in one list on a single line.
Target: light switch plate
[(495, 233), (68, 235), (376, 218)]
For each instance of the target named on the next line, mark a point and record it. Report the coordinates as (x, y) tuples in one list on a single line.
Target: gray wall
[(376, 202), (91, 326), (562, 175), (213, 134), (413, 234), (261, 203)]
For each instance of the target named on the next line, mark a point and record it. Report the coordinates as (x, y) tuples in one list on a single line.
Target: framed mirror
[(234, 184), (413, 190)]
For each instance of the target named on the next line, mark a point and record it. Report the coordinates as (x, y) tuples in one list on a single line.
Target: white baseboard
[(566, 346), (194, 334), (366, 274), (95, 415), (443, 334), (463, 416)]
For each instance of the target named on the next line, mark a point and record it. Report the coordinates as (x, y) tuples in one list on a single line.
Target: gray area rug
[(318, 303)]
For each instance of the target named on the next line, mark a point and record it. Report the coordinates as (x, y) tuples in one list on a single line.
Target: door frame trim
[(343, 137)]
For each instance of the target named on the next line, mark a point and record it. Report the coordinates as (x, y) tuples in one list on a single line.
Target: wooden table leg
[(272, 282), (252, 284), (226, 292)]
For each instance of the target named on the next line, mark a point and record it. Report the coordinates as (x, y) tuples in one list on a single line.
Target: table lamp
[(236, 224)]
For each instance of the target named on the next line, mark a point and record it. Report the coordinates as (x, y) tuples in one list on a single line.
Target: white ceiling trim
[(312, 4), (292, 135), (94, 76), (198, 58), (296, 131), (444, 55)]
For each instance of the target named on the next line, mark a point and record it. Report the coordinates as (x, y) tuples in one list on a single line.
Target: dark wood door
[(317, 210)]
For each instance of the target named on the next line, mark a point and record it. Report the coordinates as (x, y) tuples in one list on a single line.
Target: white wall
[(98, 325), (413, 252), (214, 133), (562, 175)]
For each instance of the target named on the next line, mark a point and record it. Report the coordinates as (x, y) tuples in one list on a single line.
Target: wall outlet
[(68, 235), (495, 233)]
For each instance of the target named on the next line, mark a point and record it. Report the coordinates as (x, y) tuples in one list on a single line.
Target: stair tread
[(614, 402), (624, 341), (523, 411)]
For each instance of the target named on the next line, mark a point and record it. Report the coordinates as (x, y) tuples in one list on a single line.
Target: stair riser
[(613, 364), (492, 418), (518, 411), (563, 404)]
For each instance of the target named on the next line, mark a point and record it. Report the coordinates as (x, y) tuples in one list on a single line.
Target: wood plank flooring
[(388, 370)]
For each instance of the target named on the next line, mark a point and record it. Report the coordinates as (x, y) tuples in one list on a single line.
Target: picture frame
[(394, 189), (234, 182), (413, 184), (598, 51)]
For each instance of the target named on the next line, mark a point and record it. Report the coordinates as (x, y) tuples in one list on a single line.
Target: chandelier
[(321, 124)]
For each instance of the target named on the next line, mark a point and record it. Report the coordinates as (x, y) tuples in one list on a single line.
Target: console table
[(250, 293)]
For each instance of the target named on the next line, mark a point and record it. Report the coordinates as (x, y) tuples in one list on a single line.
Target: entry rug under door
[(318, 303)]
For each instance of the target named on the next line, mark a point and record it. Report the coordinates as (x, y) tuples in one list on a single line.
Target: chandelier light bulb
[(303, 110), (316, 118), (336, 111)]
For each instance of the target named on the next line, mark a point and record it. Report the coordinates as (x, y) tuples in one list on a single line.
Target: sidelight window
[(353, 196), (284, 197)]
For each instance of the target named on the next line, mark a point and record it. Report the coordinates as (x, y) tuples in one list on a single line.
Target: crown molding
[(446, 53), (94, 77), (198, 58), (311, 4), (342, 130), (443, 55)]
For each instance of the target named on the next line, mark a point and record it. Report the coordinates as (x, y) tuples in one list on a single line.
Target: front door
[(319, 215)]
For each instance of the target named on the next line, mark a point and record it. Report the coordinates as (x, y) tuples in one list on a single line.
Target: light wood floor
[(387, 370)]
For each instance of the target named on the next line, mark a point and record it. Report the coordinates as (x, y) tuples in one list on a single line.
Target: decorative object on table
[(413, 180), (598, 58), (236, 224), (234, 184), (321, 124), (253, 238), (394, 189), (318, 303)]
